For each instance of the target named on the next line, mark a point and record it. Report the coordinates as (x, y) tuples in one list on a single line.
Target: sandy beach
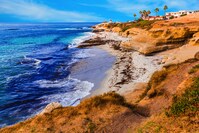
[(130, 69)]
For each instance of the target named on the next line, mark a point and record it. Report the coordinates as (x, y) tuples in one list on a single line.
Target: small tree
[(157, 10), (165, 8), (134, 16)]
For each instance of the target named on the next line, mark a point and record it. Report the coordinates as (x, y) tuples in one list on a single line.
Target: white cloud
[(26, 9)]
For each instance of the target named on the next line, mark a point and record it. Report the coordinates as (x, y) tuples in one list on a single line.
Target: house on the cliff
[(179, 14), (150, 18)]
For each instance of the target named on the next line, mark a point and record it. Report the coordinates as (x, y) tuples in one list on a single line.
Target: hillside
[(164, 101)]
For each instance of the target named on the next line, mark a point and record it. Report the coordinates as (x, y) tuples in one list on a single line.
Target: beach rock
[(197, 56), (92, 42), (195, 39), (98, 30), (50, 107)]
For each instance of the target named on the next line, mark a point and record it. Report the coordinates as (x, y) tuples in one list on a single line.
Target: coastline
[(129, 70), (147, 86)]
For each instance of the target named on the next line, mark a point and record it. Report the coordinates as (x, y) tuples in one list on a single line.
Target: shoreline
[(93, 68), (128, 72)]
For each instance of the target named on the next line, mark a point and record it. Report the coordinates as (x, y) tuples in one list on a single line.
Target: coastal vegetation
[(183, 113), (134, 15), (188, 102), (156, 79), (194, 69), (143, 24), (86, 117), (157, 10), (182, 110), (144, 13), (165, 8)]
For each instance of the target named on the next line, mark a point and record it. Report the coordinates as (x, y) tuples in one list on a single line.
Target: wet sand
[(94, 68)]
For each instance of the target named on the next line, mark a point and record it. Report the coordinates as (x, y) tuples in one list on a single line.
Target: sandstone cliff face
[(117, 29), (162, 35), (157, 39), (195, 39)]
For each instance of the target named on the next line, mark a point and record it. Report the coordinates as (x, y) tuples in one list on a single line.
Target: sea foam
[(73, 90), (85, 36)]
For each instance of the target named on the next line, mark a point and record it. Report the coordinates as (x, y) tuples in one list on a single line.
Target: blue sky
[(84, 10)]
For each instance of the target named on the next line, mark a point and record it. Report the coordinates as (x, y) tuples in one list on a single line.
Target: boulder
[(195, 39), (197, 56), (50, 107), (97, 30)]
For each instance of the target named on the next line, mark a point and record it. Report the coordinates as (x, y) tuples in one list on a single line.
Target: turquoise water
[(35, 62)]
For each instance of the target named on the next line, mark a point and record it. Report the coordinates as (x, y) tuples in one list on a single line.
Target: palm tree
[(144, 13), (141, 14), (165, 8), (134, 16), (148, 12), (157, 10)]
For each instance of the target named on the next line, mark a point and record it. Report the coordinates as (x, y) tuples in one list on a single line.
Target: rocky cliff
[(149, 37)]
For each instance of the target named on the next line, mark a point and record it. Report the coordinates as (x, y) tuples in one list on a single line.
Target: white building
[(180, 13)]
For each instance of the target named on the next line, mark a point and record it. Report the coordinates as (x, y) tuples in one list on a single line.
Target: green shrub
[(105, 99), (188, 102), (172, 17), (144, 24), (177, 24), (91, 127), (157, 78), (183, 15), (151, 126), (125, 28), (194, 69)]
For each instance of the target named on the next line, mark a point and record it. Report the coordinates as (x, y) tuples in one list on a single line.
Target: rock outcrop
[(97, 41), (161, 36), (50, 107), (195, 39)]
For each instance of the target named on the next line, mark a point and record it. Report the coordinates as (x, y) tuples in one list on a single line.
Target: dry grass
[(103, 100), (194, 69), (157, 78), (89, 116), (143, 24)]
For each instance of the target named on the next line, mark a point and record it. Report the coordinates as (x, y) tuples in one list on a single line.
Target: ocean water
[(35, 63)]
